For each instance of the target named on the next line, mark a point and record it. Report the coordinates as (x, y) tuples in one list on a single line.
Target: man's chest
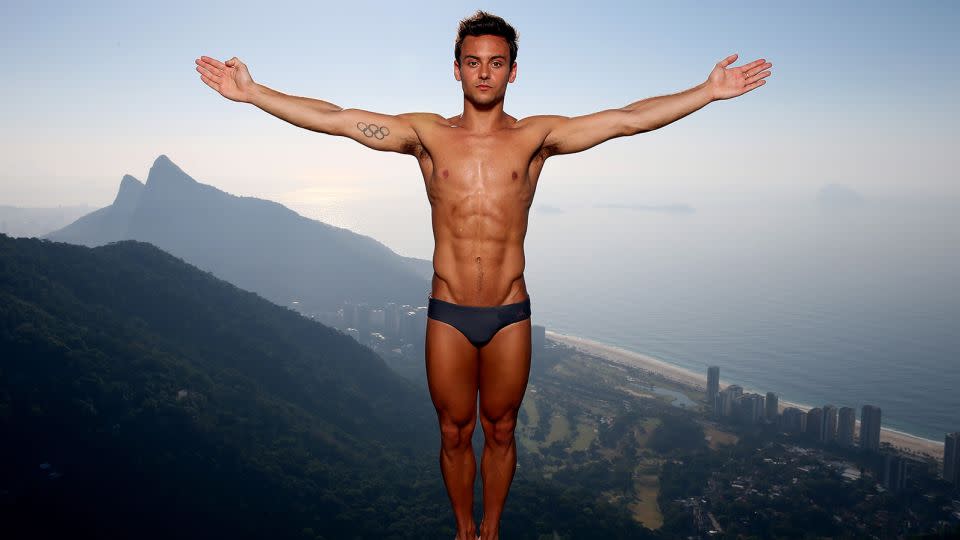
[(460, 161)]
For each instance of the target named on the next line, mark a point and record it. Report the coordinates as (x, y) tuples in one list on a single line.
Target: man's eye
[(497, 64)]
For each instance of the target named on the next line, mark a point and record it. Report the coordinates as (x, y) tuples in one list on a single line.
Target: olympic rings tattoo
[(373, 130)]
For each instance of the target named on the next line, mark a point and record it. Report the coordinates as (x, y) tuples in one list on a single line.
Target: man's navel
[(479, 276)]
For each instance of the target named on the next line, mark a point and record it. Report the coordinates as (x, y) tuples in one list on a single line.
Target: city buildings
[(773, 407), (726, 401), (793, 421), (893, 474), (951, 458), (815, 424), (870, 427), (750, 407), (713, 384), (829, 424), (846, 426)]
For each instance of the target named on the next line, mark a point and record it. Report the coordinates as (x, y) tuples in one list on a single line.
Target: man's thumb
[(233, 61)]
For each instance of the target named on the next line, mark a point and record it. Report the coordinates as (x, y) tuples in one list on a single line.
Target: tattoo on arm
[(373, 130)]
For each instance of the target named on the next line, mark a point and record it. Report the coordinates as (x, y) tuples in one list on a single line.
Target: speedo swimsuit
[(478, 323)]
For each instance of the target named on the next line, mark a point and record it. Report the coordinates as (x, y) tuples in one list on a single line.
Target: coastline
[(900, 440)]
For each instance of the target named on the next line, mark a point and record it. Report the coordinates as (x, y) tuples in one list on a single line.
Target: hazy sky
[(863, 94)]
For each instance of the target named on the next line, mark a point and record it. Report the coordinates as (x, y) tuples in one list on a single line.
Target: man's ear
[(456, 70), (513, 73)]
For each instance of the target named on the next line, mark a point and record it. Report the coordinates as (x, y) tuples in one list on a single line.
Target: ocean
[(848, 306)]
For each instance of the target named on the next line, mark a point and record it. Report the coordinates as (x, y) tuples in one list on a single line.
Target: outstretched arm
[(378, 131), (565, 135)]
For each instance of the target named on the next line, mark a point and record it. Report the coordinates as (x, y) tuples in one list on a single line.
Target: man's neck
[(482, 119)]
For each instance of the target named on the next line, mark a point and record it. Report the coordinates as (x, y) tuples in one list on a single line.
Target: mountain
[(142, 397), (108, 224), (28, 222), (258, 245)]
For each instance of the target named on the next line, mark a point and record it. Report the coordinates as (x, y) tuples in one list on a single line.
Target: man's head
[(485, 56)]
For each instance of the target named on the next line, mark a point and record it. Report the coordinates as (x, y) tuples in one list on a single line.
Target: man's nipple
[(514, 175), (446, 173)]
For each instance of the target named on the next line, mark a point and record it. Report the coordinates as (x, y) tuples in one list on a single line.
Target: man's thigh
[(504, 370), (452, 372)]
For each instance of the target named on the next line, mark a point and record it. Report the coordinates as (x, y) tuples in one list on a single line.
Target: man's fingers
[(728, 60), (213, 61), (753, 85), (214, 76), (206, 79), (208, 69), (754, 72)]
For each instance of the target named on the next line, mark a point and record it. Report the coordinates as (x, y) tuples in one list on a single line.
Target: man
[(480, 170)]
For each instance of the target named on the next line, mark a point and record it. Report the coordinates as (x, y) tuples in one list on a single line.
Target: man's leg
[(452, 377), (504, 370)]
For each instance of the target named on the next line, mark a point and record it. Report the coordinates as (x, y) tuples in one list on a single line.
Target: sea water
[(847, 306)]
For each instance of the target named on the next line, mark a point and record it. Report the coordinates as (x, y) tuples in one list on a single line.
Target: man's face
[(483, 70)]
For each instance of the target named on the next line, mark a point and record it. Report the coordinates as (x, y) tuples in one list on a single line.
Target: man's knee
[(499, 432), (456, 434)]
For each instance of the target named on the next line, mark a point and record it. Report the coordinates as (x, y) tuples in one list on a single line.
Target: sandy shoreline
[(903, 441)]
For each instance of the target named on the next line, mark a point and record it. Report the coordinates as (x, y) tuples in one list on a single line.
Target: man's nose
[(484, 72)]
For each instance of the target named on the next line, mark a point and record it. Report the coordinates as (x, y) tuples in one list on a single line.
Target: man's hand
[(230, 79), (726, 83), (389, 133)]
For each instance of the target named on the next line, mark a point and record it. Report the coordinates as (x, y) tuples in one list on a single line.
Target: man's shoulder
[(543, 121), (423, 119)]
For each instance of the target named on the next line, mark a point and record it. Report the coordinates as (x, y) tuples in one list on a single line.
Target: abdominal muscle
[(478, 273)]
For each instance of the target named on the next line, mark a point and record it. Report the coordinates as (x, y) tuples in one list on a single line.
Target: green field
[(585, 435), (559, 429)]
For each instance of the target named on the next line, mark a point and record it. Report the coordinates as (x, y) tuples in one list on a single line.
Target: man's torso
[(480, 188)]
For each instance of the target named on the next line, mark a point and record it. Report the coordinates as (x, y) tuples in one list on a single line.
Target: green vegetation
[(143, 398)]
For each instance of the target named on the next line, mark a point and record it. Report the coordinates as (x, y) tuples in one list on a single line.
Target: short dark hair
[(482, 23)]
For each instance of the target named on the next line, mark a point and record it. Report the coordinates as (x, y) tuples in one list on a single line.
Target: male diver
[(480, 170)]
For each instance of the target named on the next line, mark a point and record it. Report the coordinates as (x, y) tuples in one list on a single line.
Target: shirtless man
[(480, 170)]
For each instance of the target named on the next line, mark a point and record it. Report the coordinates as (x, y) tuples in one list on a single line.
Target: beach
[(904, 442)]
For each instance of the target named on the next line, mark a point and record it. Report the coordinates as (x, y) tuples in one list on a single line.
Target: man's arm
[(378, 131), (565, 135)]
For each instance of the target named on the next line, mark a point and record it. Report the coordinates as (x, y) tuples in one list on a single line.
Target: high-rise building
[(951, 458), (750, 408), (846, 426), (724, 403), (870, 427), (391, 327), (793, 420), (815, 424), (773, 407), (829, 424), (894, 472), (713, 384)]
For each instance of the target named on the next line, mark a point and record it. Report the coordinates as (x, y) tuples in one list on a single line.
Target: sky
[(861, 94)]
